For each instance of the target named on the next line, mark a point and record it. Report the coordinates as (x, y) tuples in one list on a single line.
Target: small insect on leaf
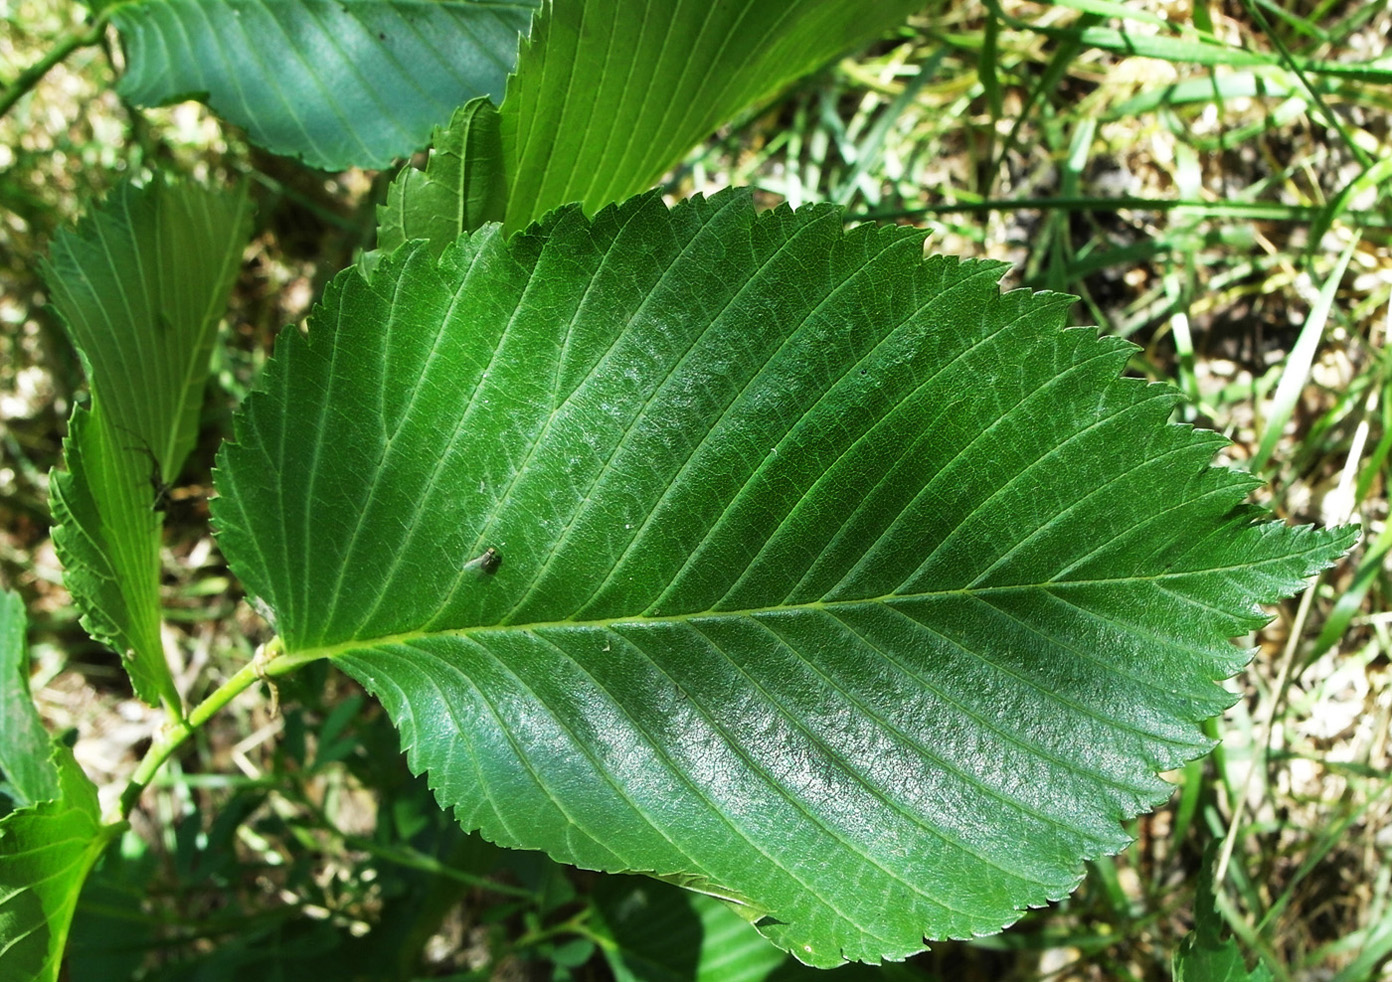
[(488, 563), (160, 487)]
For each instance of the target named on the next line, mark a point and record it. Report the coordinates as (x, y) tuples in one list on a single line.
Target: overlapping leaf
[(1205, 955), (833, 582), (24, 744), (46, 850), (140, 286), (461, 188), (658, 933), (337, 83), (51, 839), (609, 94)]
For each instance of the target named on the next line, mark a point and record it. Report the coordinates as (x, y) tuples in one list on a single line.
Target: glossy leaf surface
[(828, 580), (140, 286), (337, 83)]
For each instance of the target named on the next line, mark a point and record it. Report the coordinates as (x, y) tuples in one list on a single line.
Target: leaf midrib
[(847, 765), (303, 655)]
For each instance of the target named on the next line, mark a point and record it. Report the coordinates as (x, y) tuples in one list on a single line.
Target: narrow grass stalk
[(1253, 210)]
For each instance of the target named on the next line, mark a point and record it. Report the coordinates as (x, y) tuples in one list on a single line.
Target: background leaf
[(608, 97), (461, 187), (139, 285), (658, 933), (834, 583), (46, 850), (1205, 955), (655, 932), (337, 83), (24, 743)]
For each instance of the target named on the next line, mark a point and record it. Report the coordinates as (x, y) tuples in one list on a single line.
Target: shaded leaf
[(24, 743), (46, 850), (105, 942), (461, 187), (658, 933), (139, 285), (337, 83), (106, 534), (834, 583), (608, 97), (1205, 955)]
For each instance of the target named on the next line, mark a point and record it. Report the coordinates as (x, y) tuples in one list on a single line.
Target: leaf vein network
[(618, 337), (672, 370), (409, 531), (1006, 736), (778, 790)]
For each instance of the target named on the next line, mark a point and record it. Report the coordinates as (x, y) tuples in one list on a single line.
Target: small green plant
[(737, 549)]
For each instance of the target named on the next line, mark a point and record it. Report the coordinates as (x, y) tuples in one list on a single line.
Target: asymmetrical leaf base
[(827, 579)]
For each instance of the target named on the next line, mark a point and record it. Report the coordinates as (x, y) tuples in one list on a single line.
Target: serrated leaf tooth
[(886, 653)]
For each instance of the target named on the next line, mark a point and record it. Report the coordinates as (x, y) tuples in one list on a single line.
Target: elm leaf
[(461, 187), (826, 580), (337, 83), (1205, 955), (46, 851), (24, 743), (140, 285), (608, 96)]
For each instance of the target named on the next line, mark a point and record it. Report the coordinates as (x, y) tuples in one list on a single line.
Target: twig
[(30, 77), (178, 731)]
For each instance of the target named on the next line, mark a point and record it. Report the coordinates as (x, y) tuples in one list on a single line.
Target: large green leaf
[(338, 83), (24, 743), (46, 850), (826, 579), (609, 94), (140, 285)]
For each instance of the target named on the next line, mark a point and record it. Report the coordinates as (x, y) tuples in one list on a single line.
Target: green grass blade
[(1348, 604), (1373, 175), (1297, 368), (1117, 11), (1203, 52), (1373, 466), (868, 151), (1247, 84)]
